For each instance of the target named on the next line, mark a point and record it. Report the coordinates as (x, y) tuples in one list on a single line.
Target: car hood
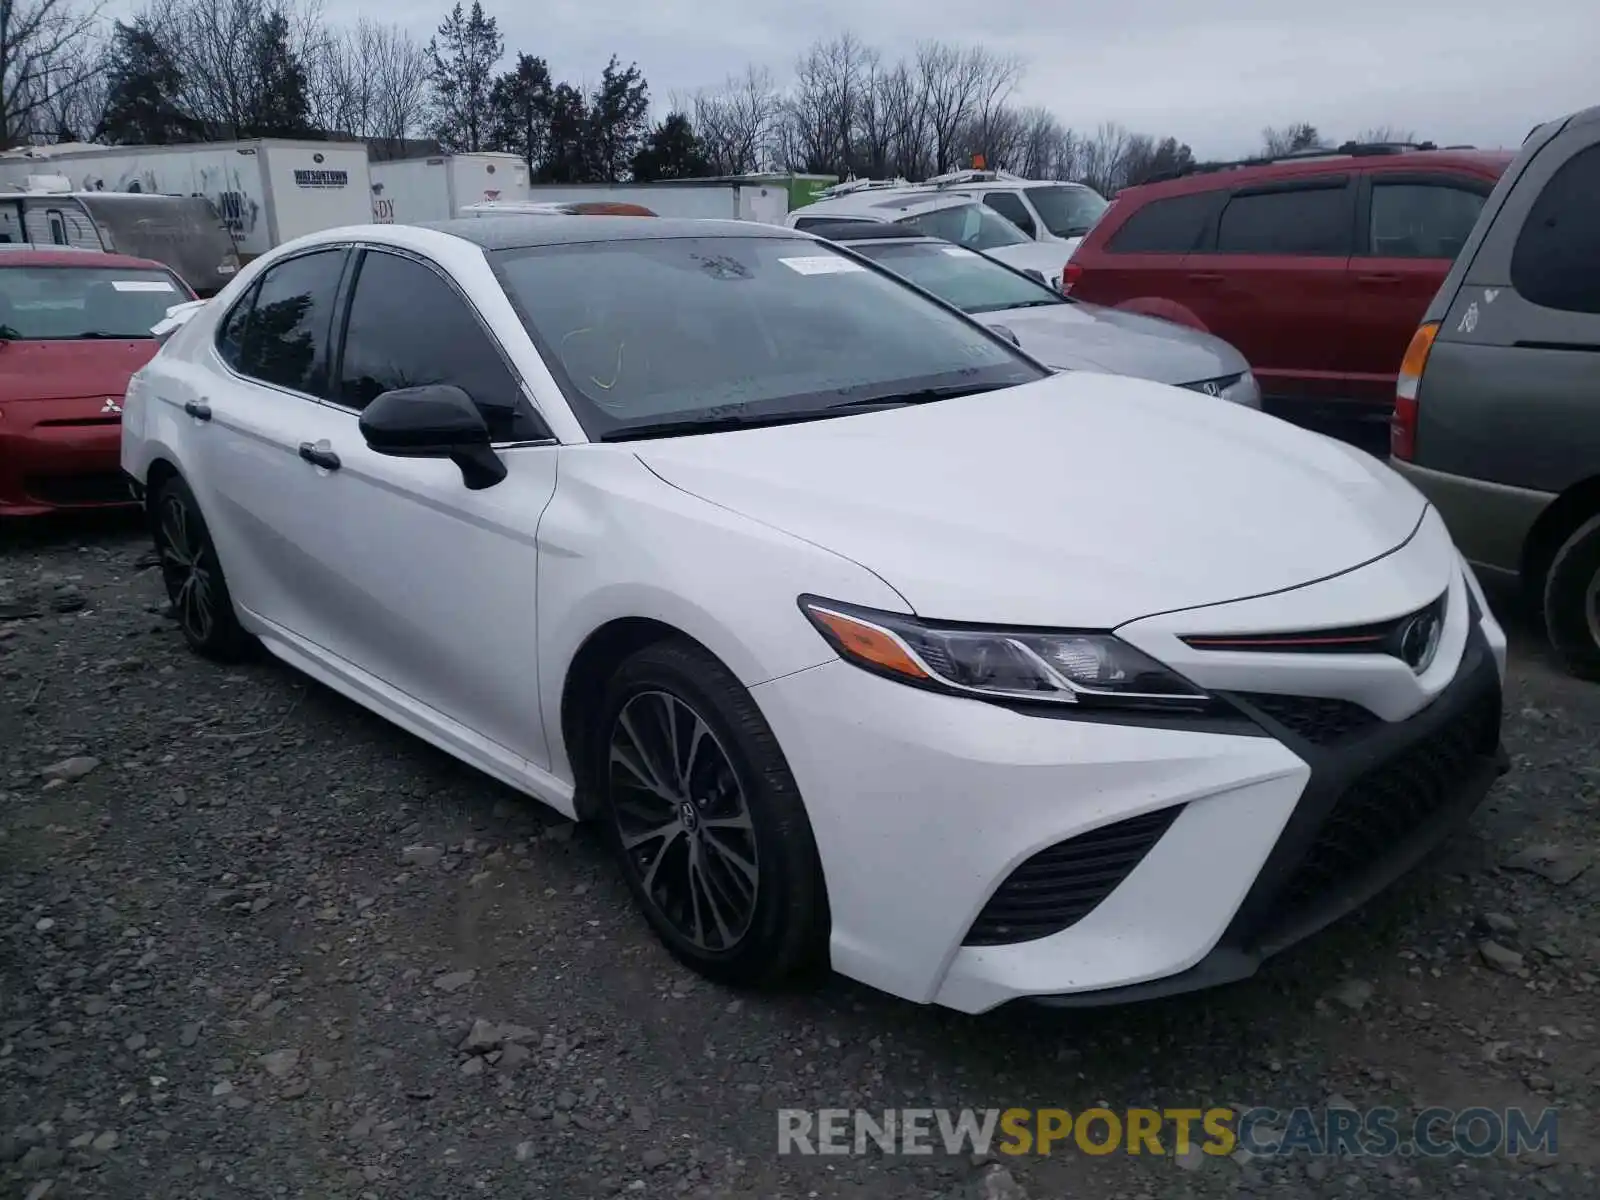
[(1048, 258), (1088, 337), (70, 370), (1080, 500)]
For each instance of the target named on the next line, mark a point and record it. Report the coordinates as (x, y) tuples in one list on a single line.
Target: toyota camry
[(865, 639)]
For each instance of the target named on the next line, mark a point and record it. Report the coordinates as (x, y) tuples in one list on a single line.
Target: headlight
[(1089, 669)]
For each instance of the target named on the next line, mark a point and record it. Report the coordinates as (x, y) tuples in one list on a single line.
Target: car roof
[(878, 204), (516, 232), (1206, 177), (68, 256), (847, 229)]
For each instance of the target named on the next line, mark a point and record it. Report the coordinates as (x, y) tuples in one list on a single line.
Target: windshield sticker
[(142, 285), (959, 252), (821, 264)]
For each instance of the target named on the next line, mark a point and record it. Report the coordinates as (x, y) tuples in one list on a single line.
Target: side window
[(812, 222), (230, 335), (409, 327), (286, 336), (58, 227), (1174, 225), (1010, 206), (1303, 221), (1556, 262), (1421, 220)]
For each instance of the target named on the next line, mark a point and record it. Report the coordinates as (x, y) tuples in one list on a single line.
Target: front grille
[(1321, 720), (1381, 809), (93, 487), (1062, 884), (1404, 637)]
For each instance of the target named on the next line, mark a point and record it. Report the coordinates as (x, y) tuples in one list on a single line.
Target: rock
[(1559, 864), (997, 1183), (222, 1088), (455, 980), (483, 1037), (40, 1190), (565, 1101), (516, 1033), (1191, 1159), (190, 1034), (362, 1129), (70, 769), (295, 1088), (1499, 957), (562, 832), (513, 1056), (473, 1066), (654, 1158), (45, 924), (525, 1151), (41, 1158), (280, 1064), (422, 856), (106, 1142), (1353, 994), (1497, 923), (135, 1042), (93, 1006)]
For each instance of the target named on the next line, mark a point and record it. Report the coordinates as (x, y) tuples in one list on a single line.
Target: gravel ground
[(256, 942)]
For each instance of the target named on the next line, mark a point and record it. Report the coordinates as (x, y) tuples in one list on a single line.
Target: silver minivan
[(1497, 410)]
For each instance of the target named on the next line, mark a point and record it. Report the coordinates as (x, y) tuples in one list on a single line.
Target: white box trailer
[(438, 188), (267, 190), (716, 199)]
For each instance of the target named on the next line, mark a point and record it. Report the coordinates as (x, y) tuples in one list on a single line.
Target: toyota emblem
[(1419, 641)]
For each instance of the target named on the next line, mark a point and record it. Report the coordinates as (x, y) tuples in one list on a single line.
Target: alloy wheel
[(683, 820), (186, 568)]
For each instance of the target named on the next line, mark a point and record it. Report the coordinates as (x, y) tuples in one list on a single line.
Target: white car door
[(264, 396), (435, 586)]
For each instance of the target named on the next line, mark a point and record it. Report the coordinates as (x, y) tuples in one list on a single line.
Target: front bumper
[(60, 454), (925, 806)]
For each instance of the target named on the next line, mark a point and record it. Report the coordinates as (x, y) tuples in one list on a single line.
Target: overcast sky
[(1210, 72)]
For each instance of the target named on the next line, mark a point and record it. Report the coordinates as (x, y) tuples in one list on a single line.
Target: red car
[(74, 326), (1316, 265)]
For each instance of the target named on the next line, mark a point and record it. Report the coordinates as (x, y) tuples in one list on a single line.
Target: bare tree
[(824, 110), (1048, 151), (955, 85), (370, 80), (736, 125), (1389, 134), (1104, 157), (1290, 139), (42, 58)]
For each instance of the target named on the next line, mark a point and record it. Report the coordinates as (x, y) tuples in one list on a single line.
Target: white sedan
[(866, 639)]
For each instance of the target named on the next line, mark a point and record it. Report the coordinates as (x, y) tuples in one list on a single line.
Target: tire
[(1572, 601), (733, 759), (193, 577)]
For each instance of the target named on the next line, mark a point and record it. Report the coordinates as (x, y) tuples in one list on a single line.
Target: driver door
[(438, 582)]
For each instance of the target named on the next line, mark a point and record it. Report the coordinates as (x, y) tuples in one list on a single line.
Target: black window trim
[(346, 300), (1015, 194), (1459, 180), (1340, 182), (249, 298), (1205, 240)]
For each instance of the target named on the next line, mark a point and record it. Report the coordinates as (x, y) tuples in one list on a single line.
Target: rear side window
[(1556, 262), (285, 337), (1302, 221), (1011, 207), (812, 222), (408, 327), (1421, 220), (1174, 225)]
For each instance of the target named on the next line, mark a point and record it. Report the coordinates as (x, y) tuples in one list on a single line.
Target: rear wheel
[(706, 820), (193, 576), (1572, 601)]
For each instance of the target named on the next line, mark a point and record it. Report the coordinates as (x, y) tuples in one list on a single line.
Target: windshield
[(65, 303), (961, 277), (975, 226), (680, 331), (1067, 211)]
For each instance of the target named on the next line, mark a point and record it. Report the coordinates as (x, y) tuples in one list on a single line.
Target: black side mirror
[(1005, 332), (436, 420), (1036, 275)]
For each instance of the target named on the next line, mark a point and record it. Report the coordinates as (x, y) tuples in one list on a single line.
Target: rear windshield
[(961, 277), (1067, 211), (670, 330), (68, 303), (976, 226)]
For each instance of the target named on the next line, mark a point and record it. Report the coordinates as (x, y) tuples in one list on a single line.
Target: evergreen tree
[(143, 84), (567, 150), (520, 104), (281, 107), (672, 151), (461, 59), (619, 114)]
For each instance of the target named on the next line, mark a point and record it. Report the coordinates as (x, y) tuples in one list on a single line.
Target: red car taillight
[(1070, 274), (1403, 425)]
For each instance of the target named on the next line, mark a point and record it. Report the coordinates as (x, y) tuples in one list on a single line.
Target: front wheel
[(193, 575), (1572, 601), (706, 820)]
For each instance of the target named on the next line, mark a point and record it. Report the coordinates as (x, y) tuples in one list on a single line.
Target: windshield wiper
[(720, 424), (915, 396)]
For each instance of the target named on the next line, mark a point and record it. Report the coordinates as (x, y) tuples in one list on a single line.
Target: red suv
[(1316, 265)]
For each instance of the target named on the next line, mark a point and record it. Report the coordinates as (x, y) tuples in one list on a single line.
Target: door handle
[(200, 412), (1377, 279), (1204, 277), (317, 457)]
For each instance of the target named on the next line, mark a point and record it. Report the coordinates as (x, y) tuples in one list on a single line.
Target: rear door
[(1410, 225), (1273, 281)]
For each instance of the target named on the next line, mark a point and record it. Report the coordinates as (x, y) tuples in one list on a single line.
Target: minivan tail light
[(1403, 424), (1070, 274)]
